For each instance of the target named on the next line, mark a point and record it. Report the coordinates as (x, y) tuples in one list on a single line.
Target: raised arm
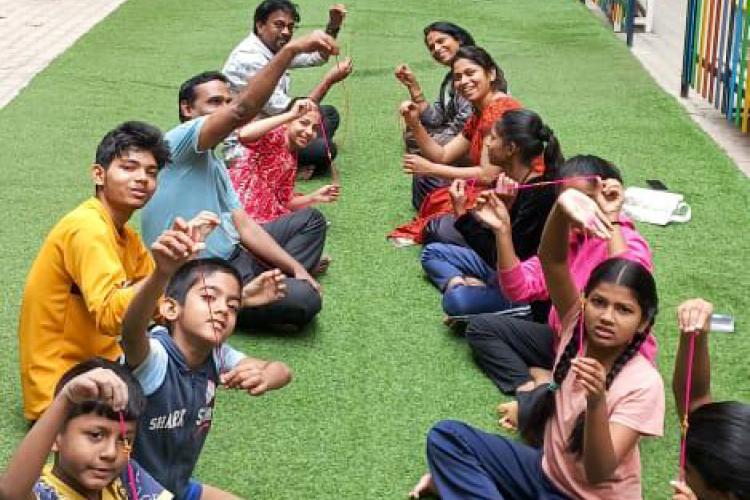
[(171, 250), (251, 99), (572, 209), (17, 483), (258, 128), (339, 72), (693, 319), (431, 150)]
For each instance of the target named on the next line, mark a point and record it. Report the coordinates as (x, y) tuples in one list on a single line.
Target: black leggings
[(506, 347)]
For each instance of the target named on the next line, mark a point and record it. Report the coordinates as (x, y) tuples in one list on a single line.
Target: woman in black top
[(467, 276)]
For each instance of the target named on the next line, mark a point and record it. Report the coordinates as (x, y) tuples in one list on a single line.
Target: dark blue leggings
[(442, 262), (468, 463)]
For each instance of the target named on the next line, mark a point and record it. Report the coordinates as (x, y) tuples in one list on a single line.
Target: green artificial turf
[(377, 368)]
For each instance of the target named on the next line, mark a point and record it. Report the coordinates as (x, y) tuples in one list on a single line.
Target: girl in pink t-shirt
[(265, 172), (603, 397)]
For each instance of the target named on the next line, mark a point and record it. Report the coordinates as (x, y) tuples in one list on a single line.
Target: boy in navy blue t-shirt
[(179, 366)]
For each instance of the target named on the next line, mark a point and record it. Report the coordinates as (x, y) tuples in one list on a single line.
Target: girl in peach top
[(603, 397)]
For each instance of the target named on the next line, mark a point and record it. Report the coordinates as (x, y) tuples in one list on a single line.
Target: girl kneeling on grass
[(718, 434), (603, 397)]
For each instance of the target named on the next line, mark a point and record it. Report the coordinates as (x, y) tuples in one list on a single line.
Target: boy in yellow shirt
[(89, 267)]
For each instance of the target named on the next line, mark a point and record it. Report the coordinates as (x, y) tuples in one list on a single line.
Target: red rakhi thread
[(580, 328), (688, 390), (218, 349), (128, 448), (334, 171)]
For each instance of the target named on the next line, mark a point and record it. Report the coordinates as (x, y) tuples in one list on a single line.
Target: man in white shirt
[(274, 23)]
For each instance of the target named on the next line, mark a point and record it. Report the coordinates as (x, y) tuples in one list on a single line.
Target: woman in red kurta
[(477, 77), (264, 174)]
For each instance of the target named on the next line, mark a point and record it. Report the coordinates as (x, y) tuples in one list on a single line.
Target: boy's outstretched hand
[(98, 384), (247, 377), (265, 288)]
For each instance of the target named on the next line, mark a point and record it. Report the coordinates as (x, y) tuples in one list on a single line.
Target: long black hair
[(619, 271), (447, 95), (481, 57), (718, 446), (532, 137)]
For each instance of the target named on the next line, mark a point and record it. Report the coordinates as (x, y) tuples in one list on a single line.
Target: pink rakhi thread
[(688, 390), (555, 182), (128, 448)]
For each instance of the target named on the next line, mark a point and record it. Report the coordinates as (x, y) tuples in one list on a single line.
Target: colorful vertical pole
[(630, 23), (687, 54)]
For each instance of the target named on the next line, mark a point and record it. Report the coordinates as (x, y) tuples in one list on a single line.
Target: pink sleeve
[(642, 407), (525, 282), (638, 249)]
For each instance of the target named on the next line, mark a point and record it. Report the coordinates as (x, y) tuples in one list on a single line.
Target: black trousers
[(302, 235), (506, 347), (315, 153)]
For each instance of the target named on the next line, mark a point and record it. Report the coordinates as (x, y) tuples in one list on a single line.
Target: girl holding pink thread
[(599, 403)]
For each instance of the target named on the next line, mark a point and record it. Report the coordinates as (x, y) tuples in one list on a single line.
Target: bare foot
[(454, 282), (322, 266), (425, 485), (508, 413), (472, 281), (265, 288)]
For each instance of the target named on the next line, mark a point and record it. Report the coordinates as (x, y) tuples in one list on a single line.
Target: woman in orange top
[(478, 78)]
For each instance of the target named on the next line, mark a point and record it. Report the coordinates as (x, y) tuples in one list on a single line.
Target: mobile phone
[(723, 323), (657, 184)]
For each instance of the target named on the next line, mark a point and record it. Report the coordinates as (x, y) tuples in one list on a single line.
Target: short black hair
[(187, 276), (187, 89), (132, 135), (136, 399), (582, 165), (267, 7)]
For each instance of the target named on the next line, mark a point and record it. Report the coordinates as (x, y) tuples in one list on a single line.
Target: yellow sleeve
[(91, 260)]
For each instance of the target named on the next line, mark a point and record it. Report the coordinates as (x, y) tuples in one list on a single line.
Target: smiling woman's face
[(442, 46)]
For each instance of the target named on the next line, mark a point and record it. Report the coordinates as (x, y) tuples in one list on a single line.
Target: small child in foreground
[(84, 429), (180, 366)]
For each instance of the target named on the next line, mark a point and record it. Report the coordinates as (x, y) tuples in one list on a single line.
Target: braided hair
[(619, 271)]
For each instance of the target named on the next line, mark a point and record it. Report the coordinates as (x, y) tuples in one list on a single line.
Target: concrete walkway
[(34, 32), (661, 52)]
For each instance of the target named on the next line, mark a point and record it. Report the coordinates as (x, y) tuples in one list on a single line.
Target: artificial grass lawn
[(377, 368)]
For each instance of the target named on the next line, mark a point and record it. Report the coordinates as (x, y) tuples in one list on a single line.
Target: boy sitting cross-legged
[(88, 425), (179, 366)]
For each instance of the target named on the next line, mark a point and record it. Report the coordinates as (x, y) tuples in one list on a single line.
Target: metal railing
[(715, 55), (621, 13)]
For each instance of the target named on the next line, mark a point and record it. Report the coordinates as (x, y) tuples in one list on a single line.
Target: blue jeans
[(468, 463), (443, 262)]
